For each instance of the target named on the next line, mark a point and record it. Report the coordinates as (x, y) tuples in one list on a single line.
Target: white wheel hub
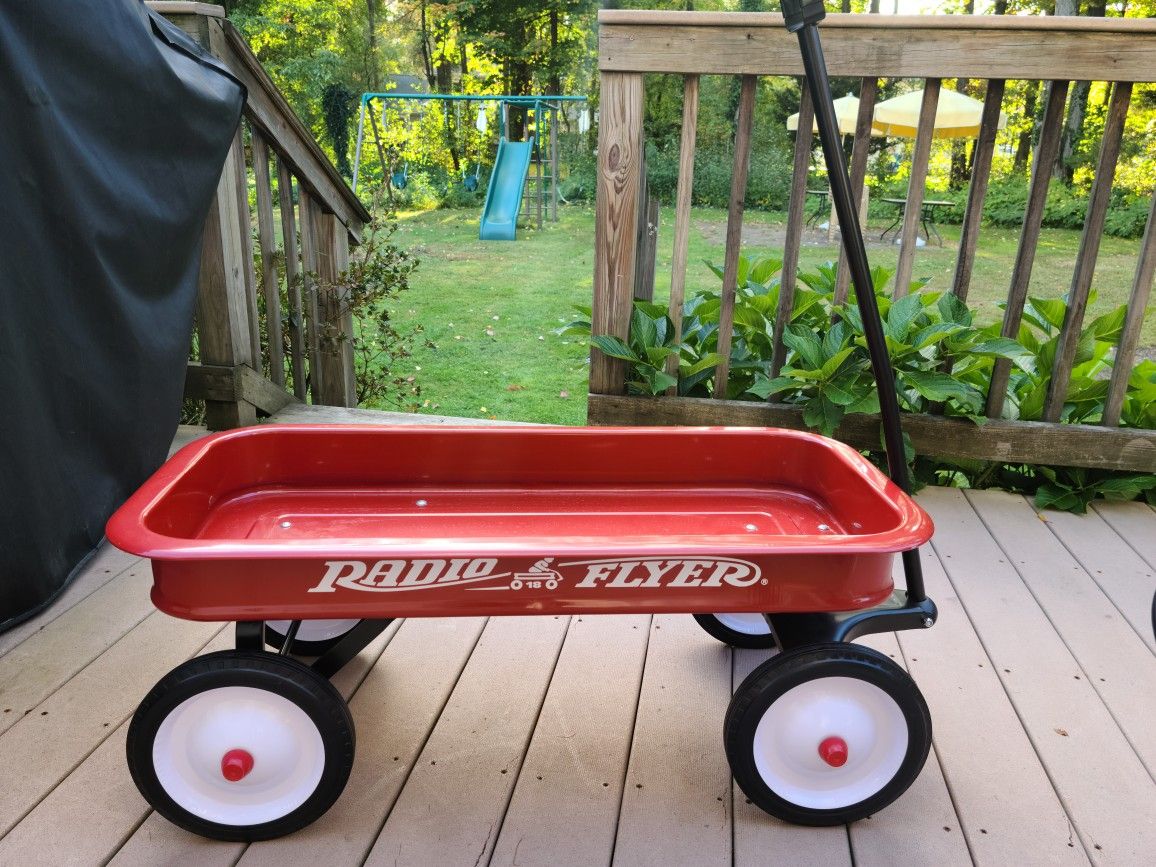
[(288, 755), (314, 630), (747, 624), (793, 740)]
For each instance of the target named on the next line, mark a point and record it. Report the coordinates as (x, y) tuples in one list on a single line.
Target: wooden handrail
[(1053, 50), (244, 360), (838, 21), (930, 46), (267, 108)]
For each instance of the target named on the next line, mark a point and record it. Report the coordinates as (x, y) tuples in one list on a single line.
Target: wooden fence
[(1052, 50), (253, 354)]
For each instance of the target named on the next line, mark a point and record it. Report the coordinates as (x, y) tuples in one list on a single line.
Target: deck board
[(561, 812), (395, 709), (1007, 807), (1109, 544), (1115, 661), (36, 668), (451, 809), (157, 841), (677, 802), (1133, 521), (920, 828), (1106, 790), (756, 834), (1027, 605)]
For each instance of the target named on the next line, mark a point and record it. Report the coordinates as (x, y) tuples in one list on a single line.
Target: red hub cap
[(832, 750), (236, 764)]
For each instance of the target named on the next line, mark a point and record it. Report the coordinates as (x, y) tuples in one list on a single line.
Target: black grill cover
[(114, 127)]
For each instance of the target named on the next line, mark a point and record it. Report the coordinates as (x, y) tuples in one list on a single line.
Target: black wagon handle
[(802, 17)]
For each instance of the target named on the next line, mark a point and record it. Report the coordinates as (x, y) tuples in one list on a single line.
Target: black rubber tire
[(713, 627), (283, 676), (276, 640), (775, 677)]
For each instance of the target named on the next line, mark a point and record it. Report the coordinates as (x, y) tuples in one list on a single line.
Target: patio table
[(926, 217)]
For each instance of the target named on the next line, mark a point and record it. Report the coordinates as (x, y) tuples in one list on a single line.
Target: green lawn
[(491, 307)]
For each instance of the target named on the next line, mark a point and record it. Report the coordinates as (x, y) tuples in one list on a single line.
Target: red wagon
[(312, 538), (325, 533)]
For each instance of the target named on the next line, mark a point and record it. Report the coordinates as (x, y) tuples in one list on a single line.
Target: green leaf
[(840, 393), (902, 314), (1110, 325), (614, 347), (765, 387), (577, 328), (952, 309), (822, 414), (764, 269), (661, 381), (802, 341), (934, 333), (1051, 496), (937, 386), (1125, 487), (998, 347), (836, 338), (744, 266), (833, 363), (868, 403), (657, 355), (711, 359), (1050, 310), (643, 330), (717, 269)]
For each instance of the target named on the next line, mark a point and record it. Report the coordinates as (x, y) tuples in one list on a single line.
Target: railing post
[(223, 330), (336, 332), (616, 221), (224, 316)]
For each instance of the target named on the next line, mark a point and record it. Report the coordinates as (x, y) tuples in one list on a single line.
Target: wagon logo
[(665, 572), (395, 575)]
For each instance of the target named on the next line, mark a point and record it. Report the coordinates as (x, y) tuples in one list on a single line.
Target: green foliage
[(338, 104), (379, 272), (1006, 199), (942, 362), (1040, 334)]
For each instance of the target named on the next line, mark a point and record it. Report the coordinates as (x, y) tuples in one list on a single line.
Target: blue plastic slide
[(504, 194)]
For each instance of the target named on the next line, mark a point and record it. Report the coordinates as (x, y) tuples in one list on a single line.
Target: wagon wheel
[(241, 745), (314, 638), (826, 734), (739, 629)]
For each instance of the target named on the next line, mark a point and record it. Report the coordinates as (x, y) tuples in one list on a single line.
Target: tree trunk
[(1077, 111), (555, 83), (371, 79), (959, 161), (1024, 147), (426, 54)]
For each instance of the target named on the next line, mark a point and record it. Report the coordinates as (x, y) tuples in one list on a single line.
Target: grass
[(490, 308)]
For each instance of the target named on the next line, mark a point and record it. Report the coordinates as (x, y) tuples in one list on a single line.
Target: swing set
[(511, 185)]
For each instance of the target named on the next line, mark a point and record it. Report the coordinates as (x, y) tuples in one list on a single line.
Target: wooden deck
[(597, 740)]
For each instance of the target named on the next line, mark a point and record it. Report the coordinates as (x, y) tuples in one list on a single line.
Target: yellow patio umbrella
[(957, 115), (846, 111)]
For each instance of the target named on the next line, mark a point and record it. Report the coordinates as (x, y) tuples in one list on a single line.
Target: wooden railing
[(1053, 50), (267, 339)]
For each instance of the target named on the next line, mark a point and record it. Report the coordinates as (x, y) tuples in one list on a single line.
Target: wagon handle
[(802, 17)]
